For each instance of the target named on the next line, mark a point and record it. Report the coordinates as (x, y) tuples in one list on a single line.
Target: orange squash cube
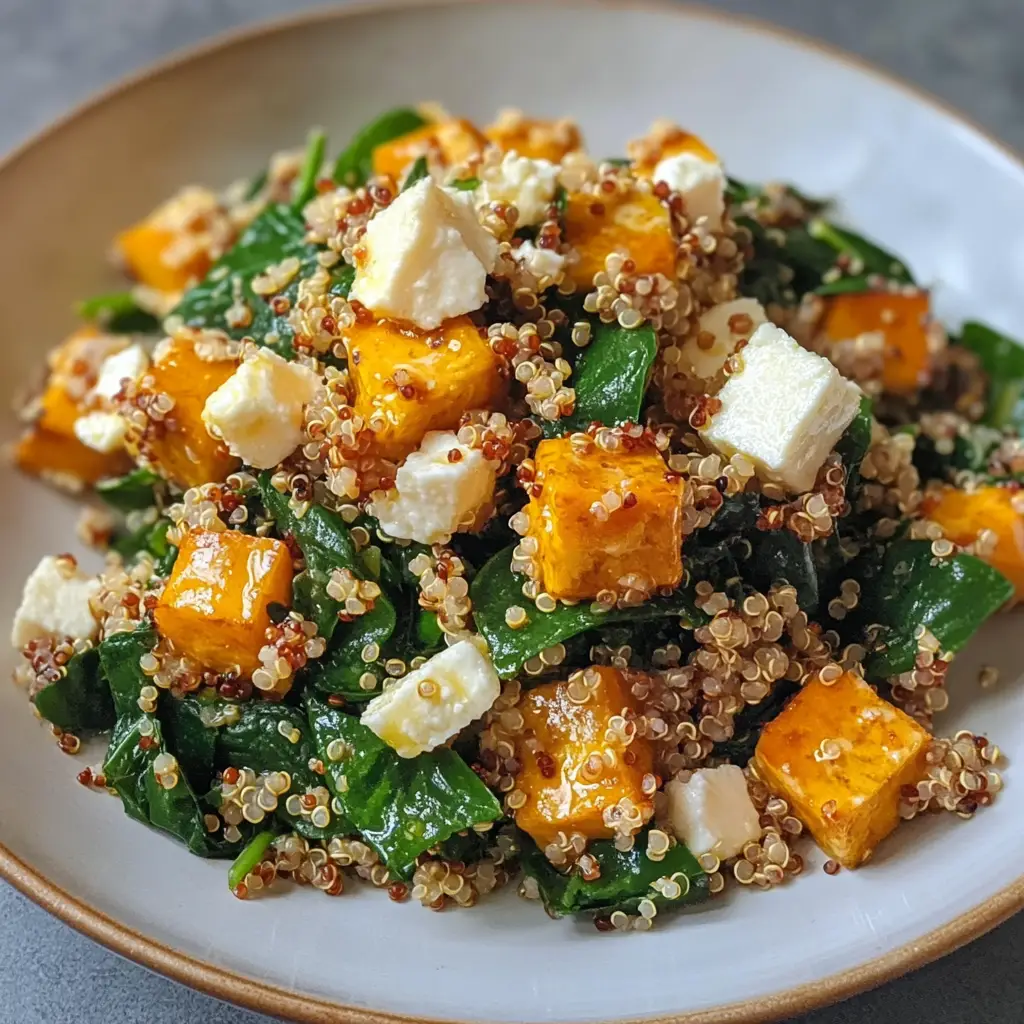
[(638, 546), (665, 140), (901, 319), (176, 244), (214, 606), (180, 447), (49, 448), (563, 756), (444, 143), (539, 140), (440, 375), (839, 754), (633, 223), (963, 515)]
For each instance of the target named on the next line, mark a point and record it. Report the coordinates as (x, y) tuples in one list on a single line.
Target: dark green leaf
[(256, 186), (278, 232), (1002, 359), (250, 857), (340, 669), (193, 742), (780, 556), (851, 285), (119, 657), (465, 184), (150, 538), (625, 879), (80, 700), (355, 165), (305, 184), (419, 170), (130, 493), (873, 258), (496, 589), (119, 313), (400, 806), (610, 378), (908, 588), (854, 444), (739, 749)]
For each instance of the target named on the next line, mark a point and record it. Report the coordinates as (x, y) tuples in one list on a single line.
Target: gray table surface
[(55, 52)]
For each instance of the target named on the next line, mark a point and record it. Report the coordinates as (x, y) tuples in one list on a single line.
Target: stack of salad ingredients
[(476, 509)]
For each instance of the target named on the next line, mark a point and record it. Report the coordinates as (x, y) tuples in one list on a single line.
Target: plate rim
[(223, 983)]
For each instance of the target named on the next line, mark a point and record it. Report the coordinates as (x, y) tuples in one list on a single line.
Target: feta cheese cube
[(55, 602), (700, 182), (435, 701), (425, 258), (528, 184), (543, 264), (784, 410), (712, 811), (101, 431), (258, 411), (131, 362), (438, 492), (720, 329)]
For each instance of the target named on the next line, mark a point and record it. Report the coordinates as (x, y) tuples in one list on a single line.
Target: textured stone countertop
[(53, 53)]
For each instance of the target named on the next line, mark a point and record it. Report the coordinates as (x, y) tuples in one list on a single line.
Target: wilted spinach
[(80, 700), (355, 165), (119, 313)]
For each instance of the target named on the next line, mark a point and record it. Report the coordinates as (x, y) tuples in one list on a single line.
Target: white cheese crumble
[(426, 257), (785, 409), (543, 264), (432, 703), (441, 487), (712, 811), (528, 184), (55, 602), (258, 411), (101, 431), (701, 184), (131, 362), (719, 330)]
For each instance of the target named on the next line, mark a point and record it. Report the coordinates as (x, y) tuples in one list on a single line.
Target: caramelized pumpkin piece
[(903, 322), (574, 766), (582, 550), (409, 381), (665, 140), (49, 448), (539, 140), (444, 143), (963, 515), (214, 606), (176, 244), (180, 447), (633, 223), (839, 754)]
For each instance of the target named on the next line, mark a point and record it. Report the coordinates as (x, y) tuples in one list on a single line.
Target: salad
[(477, 510)]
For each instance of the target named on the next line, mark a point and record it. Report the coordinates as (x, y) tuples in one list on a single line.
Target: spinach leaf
[(972, 447), (80, 700), (496, 589), (133, 492), (401, 806), (152, 539), (419, 170), (625, 879), (854, 444), (1002, 359), (277, 233), (907, 587), (747, 725), (610, 378), (119, 313), (305, 185), (341, 668), (355, 165), (874, 259), (465, 184), (785, 264), (193, 741), (780, 555), (119, 657)]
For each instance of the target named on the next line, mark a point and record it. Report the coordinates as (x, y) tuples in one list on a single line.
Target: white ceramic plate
[(907, 172)]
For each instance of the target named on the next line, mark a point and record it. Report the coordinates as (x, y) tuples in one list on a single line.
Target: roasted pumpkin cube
[(633, 223), (663, 141), (409, 381), (215, 604), (180, 447), (569, 779), (443, 143), (175, 245), (605, 520), (964, 514), (901, 319), (49, 448), (539, 140), (839, 753)]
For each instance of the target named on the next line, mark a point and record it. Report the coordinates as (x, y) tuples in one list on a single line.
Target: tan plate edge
[(270, 999)]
